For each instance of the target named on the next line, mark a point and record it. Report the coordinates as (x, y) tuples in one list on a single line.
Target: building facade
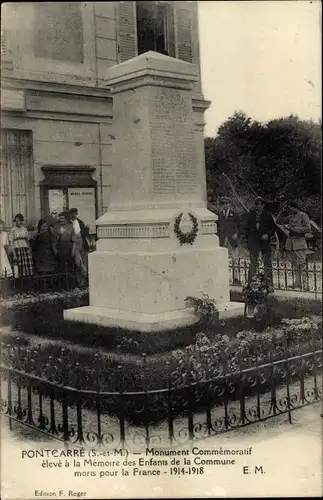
[(56, 119)]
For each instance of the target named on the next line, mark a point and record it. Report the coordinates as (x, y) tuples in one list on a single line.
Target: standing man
[(62, 242), (80, 246), (298, 225), (228, 231), (260, 228)]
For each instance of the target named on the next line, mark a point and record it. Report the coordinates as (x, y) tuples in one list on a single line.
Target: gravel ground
[(286, 461)]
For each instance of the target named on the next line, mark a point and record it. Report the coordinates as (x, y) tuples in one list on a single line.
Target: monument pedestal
[(158, 322), (158, 244)]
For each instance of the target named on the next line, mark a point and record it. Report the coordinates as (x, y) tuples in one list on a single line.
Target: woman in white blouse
[(20, 248)]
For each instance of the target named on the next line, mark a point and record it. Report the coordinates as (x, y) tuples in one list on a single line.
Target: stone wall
[(68, 130), (67, 104), (104, 35)]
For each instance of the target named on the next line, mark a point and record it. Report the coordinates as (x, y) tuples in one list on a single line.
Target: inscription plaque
[(173, 145), (13, 99)]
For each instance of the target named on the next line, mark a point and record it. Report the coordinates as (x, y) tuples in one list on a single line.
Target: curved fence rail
[(187, 409)]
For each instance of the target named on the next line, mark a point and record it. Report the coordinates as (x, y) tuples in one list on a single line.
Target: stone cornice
[(151, 69), (54, 88), (143, 80), (38, 88), (200, 104), (47, 115)]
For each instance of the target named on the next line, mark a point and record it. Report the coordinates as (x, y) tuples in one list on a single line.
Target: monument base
[(142, 322)]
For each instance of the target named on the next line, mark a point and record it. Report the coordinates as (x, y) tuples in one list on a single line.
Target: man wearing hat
[(228, 231), (260, 228), (298, 224), (80, 246)]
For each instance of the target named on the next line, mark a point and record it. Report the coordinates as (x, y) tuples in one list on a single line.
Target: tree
[(277, 160)]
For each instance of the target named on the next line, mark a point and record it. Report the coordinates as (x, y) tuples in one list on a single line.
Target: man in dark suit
[(79, 227), (260, 228), (80, 246), (228, 231)]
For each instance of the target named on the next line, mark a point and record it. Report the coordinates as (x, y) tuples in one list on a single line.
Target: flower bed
[(204, 367), (205, 359), (42, 315)]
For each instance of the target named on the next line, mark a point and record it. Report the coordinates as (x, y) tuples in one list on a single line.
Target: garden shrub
[(194, 374)]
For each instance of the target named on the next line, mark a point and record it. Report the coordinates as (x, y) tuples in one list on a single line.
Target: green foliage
[(208, 358), (279, 159), (204, 307), (256, 292), (204, 359)]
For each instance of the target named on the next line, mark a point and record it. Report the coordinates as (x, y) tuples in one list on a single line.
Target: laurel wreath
[(189, 237)]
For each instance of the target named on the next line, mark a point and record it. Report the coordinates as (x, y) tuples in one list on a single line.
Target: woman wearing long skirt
[(42, 249), (20, 248)]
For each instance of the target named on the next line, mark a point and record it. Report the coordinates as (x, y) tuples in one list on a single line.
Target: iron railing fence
[(222, 398), (284, 276), (39, 283)]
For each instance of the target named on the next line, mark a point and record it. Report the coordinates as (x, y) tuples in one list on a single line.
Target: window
[(155, 27), (15, 174), (59, 31)]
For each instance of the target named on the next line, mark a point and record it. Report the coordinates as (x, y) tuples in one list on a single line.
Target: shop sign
[(84, 200)]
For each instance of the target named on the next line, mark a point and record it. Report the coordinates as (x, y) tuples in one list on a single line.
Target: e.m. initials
[(255, 469)]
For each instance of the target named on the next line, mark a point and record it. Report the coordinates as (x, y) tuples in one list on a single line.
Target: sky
[(260, 57)]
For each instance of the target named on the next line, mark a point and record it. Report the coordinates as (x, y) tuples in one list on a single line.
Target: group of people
[(61, 243), (259, 228)]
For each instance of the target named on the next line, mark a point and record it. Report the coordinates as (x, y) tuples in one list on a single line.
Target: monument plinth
[(158, 244)]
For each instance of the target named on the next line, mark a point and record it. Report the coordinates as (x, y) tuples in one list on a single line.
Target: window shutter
[(184, 34), (15, 174), (3, 42), (126, 30), (8, 18), (170, 30)]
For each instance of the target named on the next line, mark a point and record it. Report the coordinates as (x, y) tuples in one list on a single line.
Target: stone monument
[(158, 243)]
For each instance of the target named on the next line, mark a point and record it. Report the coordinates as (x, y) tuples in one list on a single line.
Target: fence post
[(273, 397), (121, 409), (66, 276), (146, 409), (189, 396), (224, 361), (9, 400), (65, 418), (242, 387), (286, 277), (314, 364), (28, 368), (315, 279), (170, 406), (97, 397), (258, 378), (286, 354), (79, 416)]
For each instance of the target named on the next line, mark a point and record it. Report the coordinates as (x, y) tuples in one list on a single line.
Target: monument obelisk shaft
[(145, 266)]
